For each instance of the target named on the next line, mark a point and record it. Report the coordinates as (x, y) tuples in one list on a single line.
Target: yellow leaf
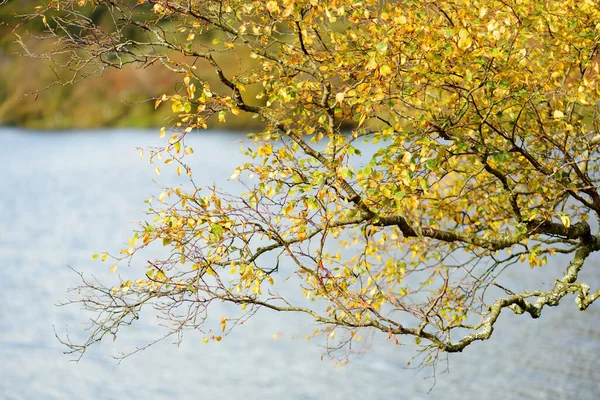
[(558, 114), (385, 70), (464, 39), (266, 150), (362, 119), (162, 132), (371, 65), (272, 6), (113, 268)]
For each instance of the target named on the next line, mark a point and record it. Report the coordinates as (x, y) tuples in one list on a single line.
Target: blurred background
[(86, 105), (120, 98)]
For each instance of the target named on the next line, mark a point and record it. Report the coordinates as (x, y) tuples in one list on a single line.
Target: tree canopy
[(412, 150)]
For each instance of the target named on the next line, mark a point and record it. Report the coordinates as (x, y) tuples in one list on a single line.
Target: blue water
[(66, 196)]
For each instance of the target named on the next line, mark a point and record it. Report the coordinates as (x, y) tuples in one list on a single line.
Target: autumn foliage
[(411, 151)]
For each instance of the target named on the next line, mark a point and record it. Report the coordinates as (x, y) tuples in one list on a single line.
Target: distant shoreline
[(119, 129)]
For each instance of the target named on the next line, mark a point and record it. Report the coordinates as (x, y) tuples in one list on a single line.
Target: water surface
[(66, 196)]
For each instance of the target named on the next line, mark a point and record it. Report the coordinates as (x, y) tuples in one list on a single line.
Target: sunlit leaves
[(464, 39), (435, 142), (566, 220)]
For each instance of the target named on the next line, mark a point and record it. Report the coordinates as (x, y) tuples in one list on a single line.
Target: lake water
[(66, 196)]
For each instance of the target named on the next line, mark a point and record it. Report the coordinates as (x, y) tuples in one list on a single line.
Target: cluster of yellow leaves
[(475, 112)]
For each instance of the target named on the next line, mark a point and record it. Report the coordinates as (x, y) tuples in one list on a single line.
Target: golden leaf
[(464, 39)]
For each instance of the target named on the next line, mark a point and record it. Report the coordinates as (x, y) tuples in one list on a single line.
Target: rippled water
[(68, 195)]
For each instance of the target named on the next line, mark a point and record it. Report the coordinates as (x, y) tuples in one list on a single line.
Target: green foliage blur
[(30, 97)]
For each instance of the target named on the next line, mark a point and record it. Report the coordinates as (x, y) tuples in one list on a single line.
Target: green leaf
[(345, 173), (431, 164), (216, 229), (382, 47), (297, 179)]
